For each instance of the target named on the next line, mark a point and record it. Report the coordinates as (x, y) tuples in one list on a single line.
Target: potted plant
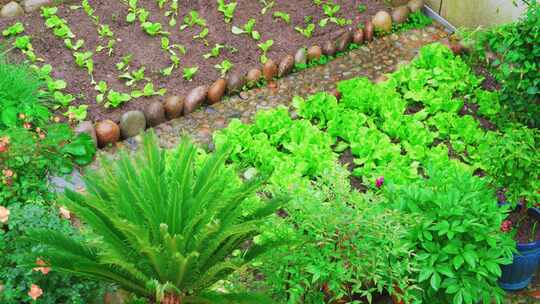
[(525, 223)]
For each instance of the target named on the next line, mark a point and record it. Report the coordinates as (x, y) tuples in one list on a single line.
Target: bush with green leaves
[(17, 260), (510, 158), (457, 240), (31, 148), (341, 248), (516, 64), (164, 225)]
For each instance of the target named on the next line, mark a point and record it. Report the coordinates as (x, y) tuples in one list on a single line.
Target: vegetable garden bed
[(100, 22)]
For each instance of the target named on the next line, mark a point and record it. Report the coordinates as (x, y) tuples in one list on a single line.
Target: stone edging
[(107, 132)]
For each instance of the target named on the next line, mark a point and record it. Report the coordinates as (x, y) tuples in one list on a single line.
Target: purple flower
[(379, 182)]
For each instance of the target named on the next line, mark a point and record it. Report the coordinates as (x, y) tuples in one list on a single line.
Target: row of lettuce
[(427, 226)]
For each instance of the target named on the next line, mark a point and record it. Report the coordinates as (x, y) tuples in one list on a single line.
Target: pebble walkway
[(372, 60)]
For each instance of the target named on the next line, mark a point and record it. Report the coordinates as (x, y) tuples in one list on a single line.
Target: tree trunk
[(172, 299)]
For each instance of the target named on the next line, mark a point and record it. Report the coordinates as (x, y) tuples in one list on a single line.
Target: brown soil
[(147, 50), (346, 158), (526, 231)]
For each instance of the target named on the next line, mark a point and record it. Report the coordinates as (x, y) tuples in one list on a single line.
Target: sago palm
[(163, 225)]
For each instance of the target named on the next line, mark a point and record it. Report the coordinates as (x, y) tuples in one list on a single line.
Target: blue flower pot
[(518, 275)]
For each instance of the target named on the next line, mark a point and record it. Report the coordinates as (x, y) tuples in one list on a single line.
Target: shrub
[(20, 93), (457, 241), (166, 227), (16, 262), (31, 148), (516, 67), (343, 249), (510, 157)]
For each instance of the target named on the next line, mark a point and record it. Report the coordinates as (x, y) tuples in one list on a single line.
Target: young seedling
[(109, 46), (362, 7), (13, 30), (102, 88), (114, 99), (133, 77), (266, 5), (172, 13), (307, 31), (166, 46), (153, 28), (193, 19), (214, 52), (57, 24), (104, 31), (330, 10), (283, 16), (148, 91), (62, 99), (74, 47), (224, 67), (265, 46), (89, 10), (247, 29), (161, 3), (227, 10), (202, 35), (84, 60), (135, 12), (124, 64), (77, 113), (189, 73)]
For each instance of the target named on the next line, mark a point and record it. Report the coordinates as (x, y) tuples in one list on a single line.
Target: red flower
[(379, 182), (506, 226)]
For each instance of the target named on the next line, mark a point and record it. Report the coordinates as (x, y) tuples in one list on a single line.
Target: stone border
[(107, 132)]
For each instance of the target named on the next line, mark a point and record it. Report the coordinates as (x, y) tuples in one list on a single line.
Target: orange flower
[(65, 213), (3, 147), (22, 116), (35, 292), (8, 172), (42, 268), (27, 125), (4, 214), (4, 140)]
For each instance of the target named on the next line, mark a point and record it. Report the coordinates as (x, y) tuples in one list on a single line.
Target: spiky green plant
[(164, 225)]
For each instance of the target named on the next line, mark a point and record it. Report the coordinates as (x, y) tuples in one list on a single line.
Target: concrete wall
[(474, 13)]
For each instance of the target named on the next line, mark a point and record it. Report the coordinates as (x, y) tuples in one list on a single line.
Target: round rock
[(195, 98), (216, 91), (300, 57), (314, 53), (270, 70), (173, 105), (132, 123), (368, 31), (382, 21), (416, 5), (235, 82), (253, 76), (329, 48), (154, 113), (107, 132), (286, 66), (343, 41), (12, 9), (401, 14), (88, 128), (358, 37)]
